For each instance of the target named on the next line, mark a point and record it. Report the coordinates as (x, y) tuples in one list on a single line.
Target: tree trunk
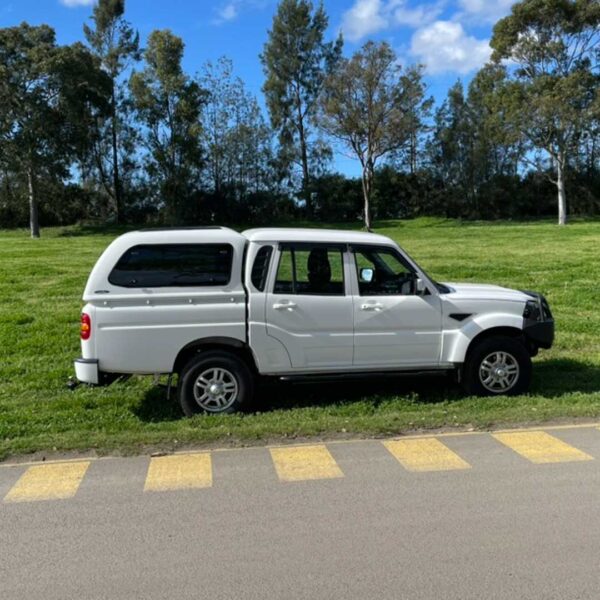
[(413, 152), (115, 156), (304, 158), (34, 223), (367, 180), (305, 176), (562, 195)]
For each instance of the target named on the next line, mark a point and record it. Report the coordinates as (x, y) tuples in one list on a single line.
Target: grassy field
[(40, 289)]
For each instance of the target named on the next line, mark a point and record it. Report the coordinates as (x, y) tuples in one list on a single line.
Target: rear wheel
[(497, 366), (214, 382)]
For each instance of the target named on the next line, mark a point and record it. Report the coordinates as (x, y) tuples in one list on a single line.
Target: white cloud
[(366, 17), (231, 10), (228, 12), (488, 11), (445, 46), (414, 17), (76, 3), (363, 19)]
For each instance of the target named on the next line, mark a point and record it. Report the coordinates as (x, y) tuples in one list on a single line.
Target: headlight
[(546, 313), (532, 311)]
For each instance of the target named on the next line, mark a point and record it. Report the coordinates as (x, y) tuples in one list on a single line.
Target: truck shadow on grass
[(552, 379), (557, 377), (276, 395), (425, 389)]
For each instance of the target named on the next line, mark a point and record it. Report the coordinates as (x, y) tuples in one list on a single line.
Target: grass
[(41, 283)]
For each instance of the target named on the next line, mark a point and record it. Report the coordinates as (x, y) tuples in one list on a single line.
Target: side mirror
[(419, 286), (366, 275)]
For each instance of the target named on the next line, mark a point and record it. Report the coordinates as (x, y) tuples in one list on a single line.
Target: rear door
[(309, 308), (394, 326)]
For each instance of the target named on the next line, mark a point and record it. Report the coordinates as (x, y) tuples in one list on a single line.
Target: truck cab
[(219, 309)]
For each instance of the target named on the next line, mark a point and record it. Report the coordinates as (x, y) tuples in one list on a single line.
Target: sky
[(449, 37)]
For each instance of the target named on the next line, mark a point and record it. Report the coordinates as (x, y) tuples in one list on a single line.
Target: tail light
[(85, 328)]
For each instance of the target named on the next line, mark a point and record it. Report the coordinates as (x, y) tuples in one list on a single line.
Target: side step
[(315, 378)]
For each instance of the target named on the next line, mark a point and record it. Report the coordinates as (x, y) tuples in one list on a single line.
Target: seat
[(319, 271)]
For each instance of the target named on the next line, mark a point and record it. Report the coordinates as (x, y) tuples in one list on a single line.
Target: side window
[(173, 265), (260, 268), (311, 270), (382, 272)]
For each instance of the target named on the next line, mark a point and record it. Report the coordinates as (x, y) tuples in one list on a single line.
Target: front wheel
[(497, 366), (214, 382)]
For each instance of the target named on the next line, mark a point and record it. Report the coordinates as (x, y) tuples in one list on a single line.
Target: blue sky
[(450, 37)]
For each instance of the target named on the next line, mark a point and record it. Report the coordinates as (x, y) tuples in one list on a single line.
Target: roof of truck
[(292, 234), (187, 235), (182, 235)]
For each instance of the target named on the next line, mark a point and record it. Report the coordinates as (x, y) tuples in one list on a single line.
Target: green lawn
[(41, 283)]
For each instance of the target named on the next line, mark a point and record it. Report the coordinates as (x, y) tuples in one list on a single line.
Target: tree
[(418, 111), (116, 44), (551, 91), (365, 104), (168, 104), (237, 139), (296, 61), (48, 96), (471, 147), (452, 146), (497, 148)]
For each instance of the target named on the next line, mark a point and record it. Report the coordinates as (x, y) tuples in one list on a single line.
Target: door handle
[(285, 305), (372, 306)]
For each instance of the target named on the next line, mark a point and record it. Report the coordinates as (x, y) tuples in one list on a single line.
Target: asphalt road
[(462, 517)]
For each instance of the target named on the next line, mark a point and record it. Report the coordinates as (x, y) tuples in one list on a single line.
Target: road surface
[(506, 516)]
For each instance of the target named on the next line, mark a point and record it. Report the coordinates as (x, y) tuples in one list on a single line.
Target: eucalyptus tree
[(418, 107), (452, 145), (470, 145), (498, 149), (116, 44), (49, 95), (296, 62), (168, 104), (550, 48), (236, 138), (366, 105)]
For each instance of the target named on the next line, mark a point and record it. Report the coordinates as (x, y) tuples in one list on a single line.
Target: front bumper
[(86, 370), (539, 333)]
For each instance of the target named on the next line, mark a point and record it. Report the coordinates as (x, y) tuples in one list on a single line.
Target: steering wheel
[(395, 284)]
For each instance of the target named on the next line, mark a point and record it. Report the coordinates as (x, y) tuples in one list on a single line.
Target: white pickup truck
[(219, 309)]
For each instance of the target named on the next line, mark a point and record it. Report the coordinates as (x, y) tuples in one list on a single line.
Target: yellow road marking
[(178, 472), (425, 454), (304, 462), (541, 447), (443, 434), (48, 482)]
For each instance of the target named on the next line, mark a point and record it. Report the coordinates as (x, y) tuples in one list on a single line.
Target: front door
[(309, 309), (394, 325)]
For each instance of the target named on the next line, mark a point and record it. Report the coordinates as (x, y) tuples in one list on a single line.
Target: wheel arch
[(512, 339), (463, 341), (505, 331), (225, 344)]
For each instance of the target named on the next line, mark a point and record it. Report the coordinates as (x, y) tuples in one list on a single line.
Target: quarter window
[(260, 268), (173, 265), (311, 270)]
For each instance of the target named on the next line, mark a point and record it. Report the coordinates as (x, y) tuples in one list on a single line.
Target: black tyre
[(497, 366), (214, 382)]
